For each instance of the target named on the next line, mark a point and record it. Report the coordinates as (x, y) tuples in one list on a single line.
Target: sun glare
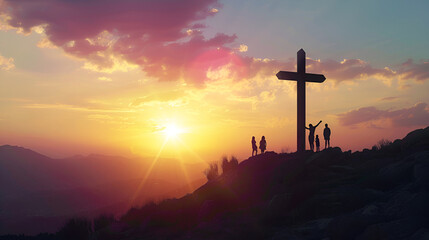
[(172, 130)]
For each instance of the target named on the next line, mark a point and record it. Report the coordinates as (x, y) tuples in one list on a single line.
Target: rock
[(208, 210), (337, 201), (350, 225), (416, 140), (314, 229), (418, 207), (286, 234), (278, 206), (329, 156), (421, 169), (370, 210), (342, 168), (395, 206), (421, 234), (393, 175), (398, 229)]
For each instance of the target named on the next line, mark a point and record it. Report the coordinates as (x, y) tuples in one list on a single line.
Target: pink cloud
[(165, 39), (151, 34), (417, 115), (417, 71)]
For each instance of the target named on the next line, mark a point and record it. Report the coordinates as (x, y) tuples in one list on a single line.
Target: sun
[(172, 130)]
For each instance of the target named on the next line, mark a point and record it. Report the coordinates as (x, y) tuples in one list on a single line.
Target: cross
[(301, 77)]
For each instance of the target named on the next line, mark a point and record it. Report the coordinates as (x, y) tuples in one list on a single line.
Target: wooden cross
[(301, 77)]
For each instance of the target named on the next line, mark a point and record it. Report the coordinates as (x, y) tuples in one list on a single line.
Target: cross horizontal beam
[(308, 77)]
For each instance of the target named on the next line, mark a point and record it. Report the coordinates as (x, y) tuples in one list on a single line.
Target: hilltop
[(382, 193)]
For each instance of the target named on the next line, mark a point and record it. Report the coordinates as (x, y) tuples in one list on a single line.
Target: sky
[(195, 79)]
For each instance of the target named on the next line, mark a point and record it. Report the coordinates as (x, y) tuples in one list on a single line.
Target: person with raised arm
[(311, 134)]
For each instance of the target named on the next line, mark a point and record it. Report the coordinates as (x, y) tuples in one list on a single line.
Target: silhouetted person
[(317, 143), (254, 147), (263, 144), (327, 136), (311, 134)]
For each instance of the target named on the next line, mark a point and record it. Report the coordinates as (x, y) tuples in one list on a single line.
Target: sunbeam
[(147, 173)]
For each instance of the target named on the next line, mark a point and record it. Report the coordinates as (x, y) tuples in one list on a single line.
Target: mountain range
[(45, 191)]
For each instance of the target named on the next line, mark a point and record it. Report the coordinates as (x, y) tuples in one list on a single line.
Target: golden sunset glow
[(171, 130), (125, 88), (109, 105)]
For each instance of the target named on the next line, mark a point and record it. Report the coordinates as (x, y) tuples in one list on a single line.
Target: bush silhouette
[(103, 221), (382, 143), (212, 172), (225, 164), (76, 228), (233, 162), (228, 166)]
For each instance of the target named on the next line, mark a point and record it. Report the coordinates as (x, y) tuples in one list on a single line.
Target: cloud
[(105, 79), (393, 98), (6, 63), (150, 34), (348, 69), (109, 119), (45, 43), (417, 71), (3, 21), (173, 98), (70, 107), (243, 48), (165, 39), (417, 115)]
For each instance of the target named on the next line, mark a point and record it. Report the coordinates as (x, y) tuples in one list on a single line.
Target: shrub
[(233, 163), (212, 172), (285, 150), (382, 144), (225, 164), (103, 221), (228, 166), (76, 228)]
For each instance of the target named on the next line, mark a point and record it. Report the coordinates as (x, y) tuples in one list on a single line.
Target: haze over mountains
[(38, 193)]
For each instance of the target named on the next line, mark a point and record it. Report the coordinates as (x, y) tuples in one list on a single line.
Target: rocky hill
[(382, 193)]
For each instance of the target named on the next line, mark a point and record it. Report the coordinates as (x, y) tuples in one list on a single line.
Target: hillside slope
[(373, 194)]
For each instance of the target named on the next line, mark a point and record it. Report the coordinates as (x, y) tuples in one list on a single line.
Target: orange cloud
[(6, 63)]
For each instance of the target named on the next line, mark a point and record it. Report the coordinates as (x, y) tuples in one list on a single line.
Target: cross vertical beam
[(301, 77), (301, 101)]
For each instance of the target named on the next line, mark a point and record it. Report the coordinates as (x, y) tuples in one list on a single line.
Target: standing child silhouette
[(311, 134), (317, 143), (263, 144), (254, 147)]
